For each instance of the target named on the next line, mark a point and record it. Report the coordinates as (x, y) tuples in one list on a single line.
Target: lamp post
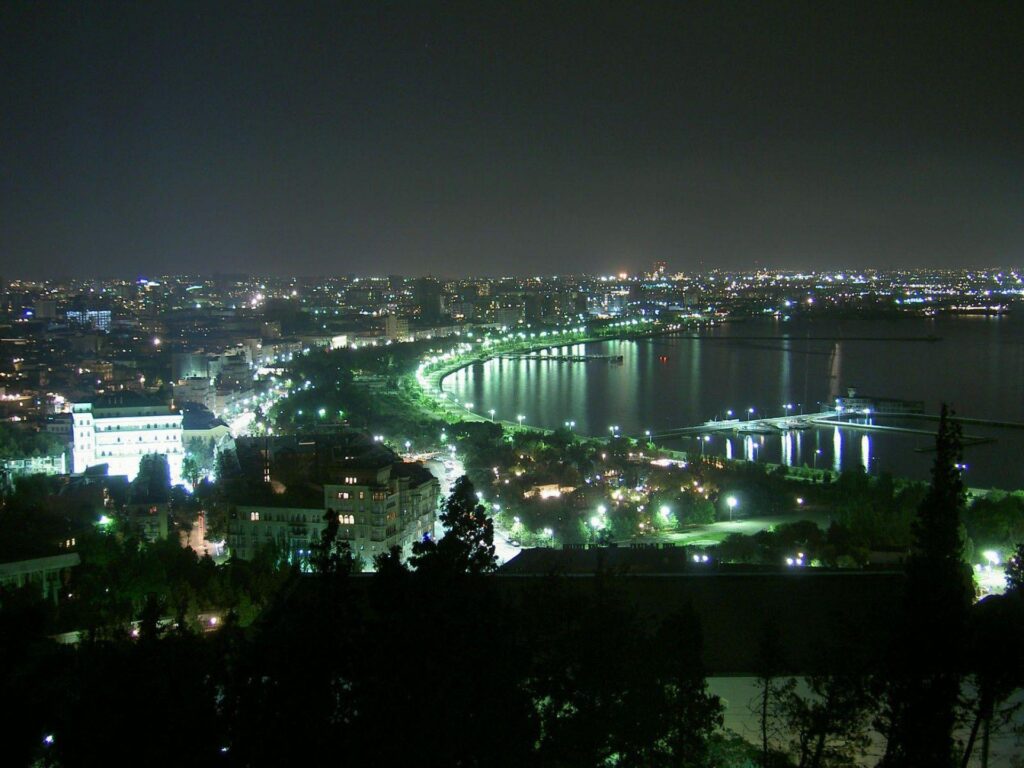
[(492, 414), (731, 502), (750, 412), (520, 418)]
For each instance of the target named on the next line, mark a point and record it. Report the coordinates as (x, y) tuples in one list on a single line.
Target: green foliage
[(1015, 571), (995, 521), (23, 443)]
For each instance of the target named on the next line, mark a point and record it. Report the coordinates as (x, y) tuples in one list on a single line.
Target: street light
[(520, 418), (750, 412), (731, 503), (492, 414)]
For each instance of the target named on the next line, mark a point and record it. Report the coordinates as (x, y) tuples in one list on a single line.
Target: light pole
[(750, 412), (520, 418), (492, 414), (731, 502)]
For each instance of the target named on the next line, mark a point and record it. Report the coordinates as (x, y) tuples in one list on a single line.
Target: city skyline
[(186, 138)]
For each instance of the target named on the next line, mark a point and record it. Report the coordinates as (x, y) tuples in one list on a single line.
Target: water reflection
[(787, 449), (669, 383)]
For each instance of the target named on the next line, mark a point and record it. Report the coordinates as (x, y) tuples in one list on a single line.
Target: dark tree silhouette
[(468, 543), (1015, 571), (925, 673), (329, 556), (153, 482)]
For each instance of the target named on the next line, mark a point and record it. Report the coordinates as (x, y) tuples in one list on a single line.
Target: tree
[(153, 482), (767, 705), (468, 543), (923, 681), (1015, 571), (830, 725), (190, 470), (331, 557)]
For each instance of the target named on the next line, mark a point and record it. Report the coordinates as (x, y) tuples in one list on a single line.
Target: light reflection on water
[(667, 383)]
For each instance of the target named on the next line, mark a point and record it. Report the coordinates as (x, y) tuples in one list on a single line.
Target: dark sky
[(487, 138)]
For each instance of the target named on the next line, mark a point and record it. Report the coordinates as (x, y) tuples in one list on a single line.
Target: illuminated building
[(118, 430)]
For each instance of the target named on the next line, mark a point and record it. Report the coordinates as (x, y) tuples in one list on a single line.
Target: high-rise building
[(96, 318), (118, 430), (396, 328), (427, 295)]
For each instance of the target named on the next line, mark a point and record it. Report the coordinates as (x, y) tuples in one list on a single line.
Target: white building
[(396, 328), (118, 430)]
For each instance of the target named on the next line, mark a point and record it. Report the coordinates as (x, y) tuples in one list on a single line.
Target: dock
[(565, 358)]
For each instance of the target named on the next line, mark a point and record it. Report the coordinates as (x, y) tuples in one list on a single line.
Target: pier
[(779, 424), (751, 427), (565, 358)]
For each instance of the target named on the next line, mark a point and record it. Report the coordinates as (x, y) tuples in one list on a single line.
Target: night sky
[(536, 138)]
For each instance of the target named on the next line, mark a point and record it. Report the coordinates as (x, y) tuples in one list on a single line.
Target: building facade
[(119, 430), (378, 507)]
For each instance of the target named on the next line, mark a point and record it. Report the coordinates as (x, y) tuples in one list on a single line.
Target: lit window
[(254, 517)]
